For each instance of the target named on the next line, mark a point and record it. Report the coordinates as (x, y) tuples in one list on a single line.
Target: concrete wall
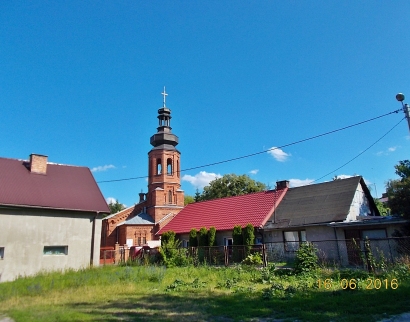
[(24, 233)]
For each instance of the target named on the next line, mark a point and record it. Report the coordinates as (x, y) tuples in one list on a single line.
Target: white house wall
[(24, 233), (360, 205)]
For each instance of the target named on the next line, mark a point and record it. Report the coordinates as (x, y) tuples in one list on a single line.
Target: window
[(185, 243), (159, 166), (228, 241), (55, 250), (169, 167), (170, 197), (293, 238), (1, 252), (139, 241), (374, 234), (144, 240)]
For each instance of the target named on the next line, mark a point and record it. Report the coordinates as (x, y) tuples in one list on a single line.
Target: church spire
[(164, 139)]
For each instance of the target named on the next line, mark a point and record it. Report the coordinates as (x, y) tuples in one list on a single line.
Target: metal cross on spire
[(164, 94)]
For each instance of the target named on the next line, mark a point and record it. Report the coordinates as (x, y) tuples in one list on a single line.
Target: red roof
[(225, 213), (62, 187)]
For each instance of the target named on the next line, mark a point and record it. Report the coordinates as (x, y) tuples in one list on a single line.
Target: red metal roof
[(62, 187), (225, 213)]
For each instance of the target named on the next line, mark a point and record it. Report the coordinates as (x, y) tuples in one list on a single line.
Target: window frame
[(55, 250), (293, 245)]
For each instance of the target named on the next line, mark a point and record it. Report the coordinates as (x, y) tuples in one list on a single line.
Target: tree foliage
[(115, 207), (383, 209), (188, 199), (212, 236), (398, 190), (237, 235), (193, 238), (203, 237), (230, 185), (248, 238)]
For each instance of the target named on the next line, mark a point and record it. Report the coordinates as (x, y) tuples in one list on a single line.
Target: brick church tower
[(165, 197), (138, 224)]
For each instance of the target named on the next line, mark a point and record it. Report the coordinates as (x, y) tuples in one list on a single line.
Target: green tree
[(398, 190), (237, 242), (197, 196), (188, 200), (193, 238), (203, 237), (115, 207), (248, 238), (212, 236), (231, 185), (383, 209)]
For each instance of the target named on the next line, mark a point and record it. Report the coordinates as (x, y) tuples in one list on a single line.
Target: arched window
[(169, 166), (159, 166), (170, 197)]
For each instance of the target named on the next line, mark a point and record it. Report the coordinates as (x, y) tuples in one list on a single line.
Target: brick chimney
[(282, 184), (38, 163)]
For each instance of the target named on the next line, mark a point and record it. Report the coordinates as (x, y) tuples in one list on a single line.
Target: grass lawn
[(151, 293)]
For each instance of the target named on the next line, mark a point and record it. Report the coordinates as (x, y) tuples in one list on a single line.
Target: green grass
[(154, 293)]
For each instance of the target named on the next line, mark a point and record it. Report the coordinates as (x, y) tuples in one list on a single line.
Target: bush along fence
[(370, 254), (364, 253)]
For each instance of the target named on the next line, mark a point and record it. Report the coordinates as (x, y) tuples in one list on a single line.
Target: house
[(225, 213), (330, 214), (137, 225), (50, 217)]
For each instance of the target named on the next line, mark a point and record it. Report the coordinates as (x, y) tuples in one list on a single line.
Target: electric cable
[(264, 151), (360, 152)]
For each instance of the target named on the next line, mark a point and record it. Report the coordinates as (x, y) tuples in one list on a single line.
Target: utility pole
[(406, 107)]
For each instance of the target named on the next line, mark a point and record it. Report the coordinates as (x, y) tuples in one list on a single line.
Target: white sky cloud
[(102, 168), (300, 182), (201, 179), (343, 176), (254, 171), (388, 151), (278, 154), (110, 200)]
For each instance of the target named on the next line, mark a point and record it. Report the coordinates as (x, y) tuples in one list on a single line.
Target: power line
[(361, 152), (264, 151)]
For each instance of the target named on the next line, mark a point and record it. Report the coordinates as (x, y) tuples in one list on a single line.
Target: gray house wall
[(25, 232)]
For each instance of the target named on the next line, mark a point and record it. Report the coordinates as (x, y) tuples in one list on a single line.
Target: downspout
[(93, 240)]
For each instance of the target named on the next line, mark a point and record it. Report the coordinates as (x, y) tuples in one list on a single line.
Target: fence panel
[(346, 252)]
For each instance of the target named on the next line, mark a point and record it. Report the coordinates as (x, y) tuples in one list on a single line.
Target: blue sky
[(81, 82)]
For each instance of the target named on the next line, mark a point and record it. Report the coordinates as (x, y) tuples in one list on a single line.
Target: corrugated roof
[(140, 219), (317, 203), (225, 213), (62, 187)]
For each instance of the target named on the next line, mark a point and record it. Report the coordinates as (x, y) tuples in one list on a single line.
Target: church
[(137, 225)]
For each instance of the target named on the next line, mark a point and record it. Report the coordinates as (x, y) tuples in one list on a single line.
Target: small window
[(139, 241), (374, 234), (169, 167), (159, 166), (1, 252), (228, 241), (170, 197), (185, 243), (144, 240), (293, 239), (55, 250)]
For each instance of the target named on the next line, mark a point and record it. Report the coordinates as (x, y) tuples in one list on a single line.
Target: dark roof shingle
[(62, 187)]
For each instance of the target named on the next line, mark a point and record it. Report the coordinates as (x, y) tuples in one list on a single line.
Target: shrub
[(237, 241), (306, 258), (253, 259), (248, 238), (193, 238), (212, 236)]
